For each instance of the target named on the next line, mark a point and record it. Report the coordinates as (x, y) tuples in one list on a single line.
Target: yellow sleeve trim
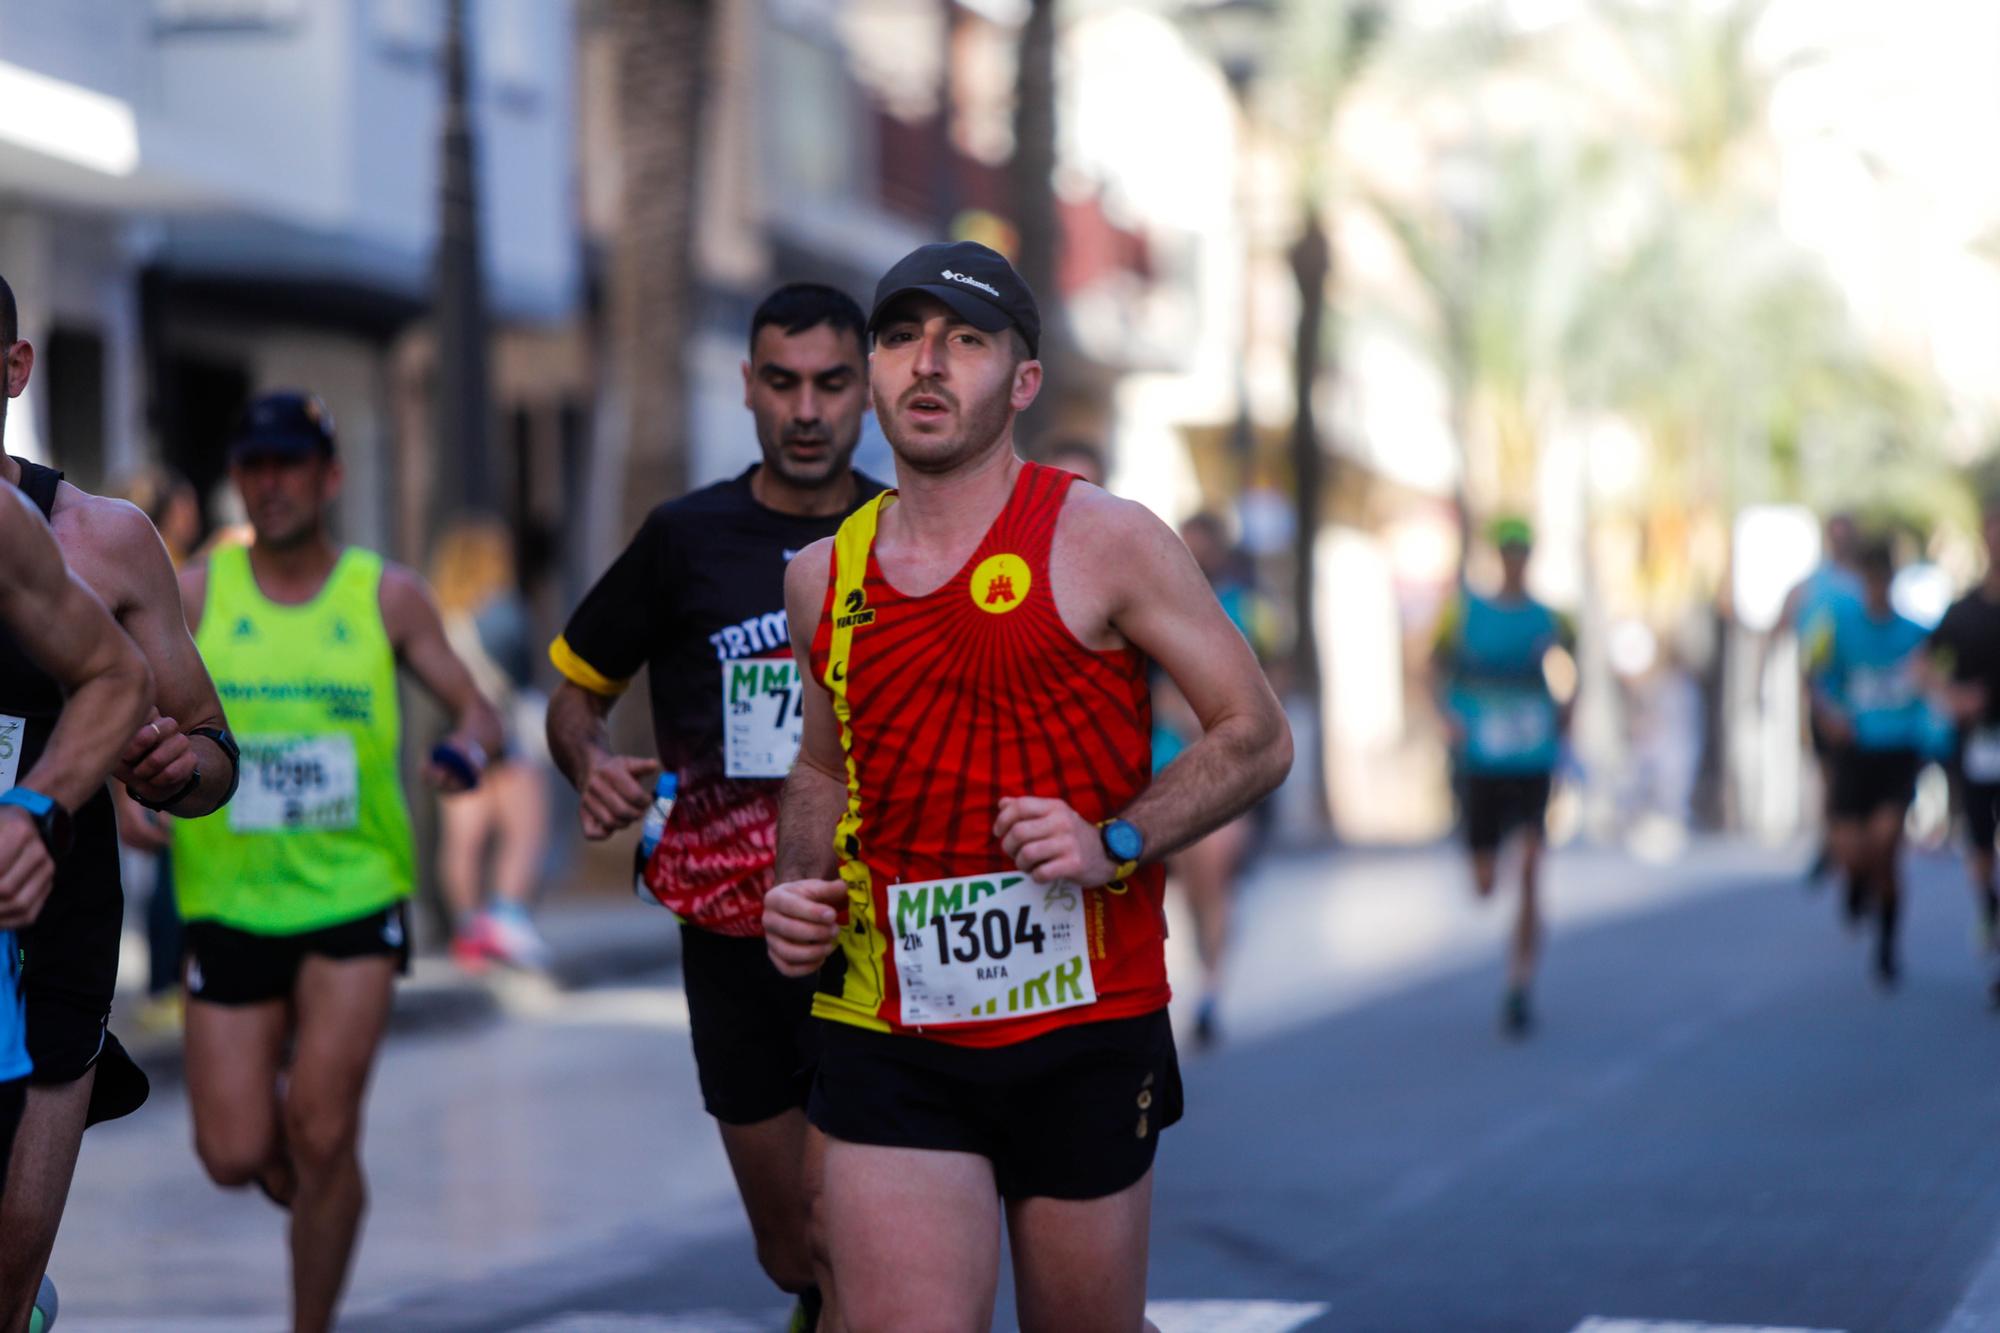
[(581, 673)]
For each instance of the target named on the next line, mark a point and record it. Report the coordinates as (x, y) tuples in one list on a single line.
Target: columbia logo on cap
[(970, 281)]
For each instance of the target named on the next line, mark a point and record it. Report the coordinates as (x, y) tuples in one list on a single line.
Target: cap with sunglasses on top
[(283, 425)]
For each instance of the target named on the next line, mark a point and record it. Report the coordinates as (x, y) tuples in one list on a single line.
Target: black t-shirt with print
[(698, 598)]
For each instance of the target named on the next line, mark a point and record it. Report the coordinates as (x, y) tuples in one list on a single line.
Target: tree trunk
[(1031, 178), (650, 296), (464, 482), (1312, 266)]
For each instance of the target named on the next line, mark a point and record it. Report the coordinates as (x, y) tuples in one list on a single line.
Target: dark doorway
[(74, 358), (202, 400)]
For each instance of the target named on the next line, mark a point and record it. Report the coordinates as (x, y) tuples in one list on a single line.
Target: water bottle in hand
[(650, 831)]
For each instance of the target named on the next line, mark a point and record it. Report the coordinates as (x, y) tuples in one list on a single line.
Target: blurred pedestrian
[(1965, 652), (1206, 870), (1836, 580), (170, 502), (295, 902), (1079, 456), (1490, 675), (1868, 699), (507, 814), (698, 599)]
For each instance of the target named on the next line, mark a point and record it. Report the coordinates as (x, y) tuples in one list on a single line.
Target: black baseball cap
[(284, 424), (979, 285)]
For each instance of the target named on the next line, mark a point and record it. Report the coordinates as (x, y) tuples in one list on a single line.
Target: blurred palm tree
[(1325, 49), (641, 437)]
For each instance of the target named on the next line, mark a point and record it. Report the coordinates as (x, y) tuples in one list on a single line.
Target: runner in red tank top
[(969, 844)]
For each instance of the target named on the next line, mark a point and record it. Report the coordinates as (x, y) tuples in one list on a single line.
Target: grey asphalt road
[(1721, 1123)]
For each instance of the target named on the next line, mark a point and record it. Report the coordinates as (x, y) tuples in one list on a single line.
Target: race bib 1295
[(297, 782), (988, 947)]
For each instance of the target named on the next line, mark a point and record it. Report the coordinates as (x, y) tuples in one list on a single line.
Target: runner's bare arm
[(802, 911), (417, 635), (615, 789), (113, 547), (67, 632), (1122, 574)]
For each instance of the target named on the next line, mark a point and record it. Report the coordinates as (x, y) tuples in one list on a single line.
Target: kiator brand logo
[(971, 281)]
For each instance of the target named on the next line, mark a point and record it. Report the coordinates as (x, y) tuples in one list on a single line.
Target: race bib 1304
[(988, 947)]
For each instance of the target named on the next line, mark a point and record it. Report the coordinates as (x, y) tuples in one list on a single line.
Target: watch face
[(1123, 841)]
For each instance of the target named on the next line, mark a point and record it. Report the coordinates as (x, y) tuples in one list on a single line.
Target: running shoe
[(1856, 902), (469, 949), (512, 938), (1887, 970), (1517, 1017), (1821, 863), (43, 1317), (1207, 1028)]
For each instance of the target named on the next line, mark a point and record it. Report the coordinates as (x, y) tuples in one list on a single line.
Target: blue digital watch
[(52, 822), (1124, 844)]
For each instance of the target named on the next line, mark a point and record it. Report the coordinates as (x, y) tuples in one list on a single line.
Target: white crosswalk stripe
[(700, 1321), (1653, 1325), (1232, 1316)]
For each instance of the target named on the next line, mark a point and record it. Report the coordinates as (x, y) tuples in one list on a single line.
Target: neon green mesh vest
[(318, 832)]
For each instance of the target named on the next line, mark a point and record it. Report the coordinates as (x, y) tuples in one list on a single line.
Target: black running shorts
[(1497, 806), (1868, 781), (230, 966), (755, 1042), (1071, 1114)]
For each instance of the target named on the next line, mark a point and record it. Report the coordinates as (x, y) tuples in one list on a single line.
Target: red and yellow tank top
[(947, 703)]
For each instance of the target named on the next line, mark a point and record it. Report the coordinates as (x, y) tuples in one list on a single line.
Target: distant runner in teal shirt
[(1832, 581), (1865, 664), (1506, 728)]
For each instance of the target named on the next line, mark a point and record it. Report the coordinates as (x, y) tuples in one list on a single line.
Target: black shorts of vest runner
[(1496, 806), (1866, 782), (756, 1043), (1071, 1114), (228, 966)]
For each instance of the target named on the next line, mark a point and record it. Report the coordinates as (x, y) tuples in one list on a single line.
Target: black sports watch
[(51, 820), (1124, 844)]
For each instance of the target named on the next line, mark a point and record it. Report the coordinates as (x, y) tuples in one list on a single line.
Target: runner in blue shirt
[(1506, 730), (1832, 582), (1865, 662)]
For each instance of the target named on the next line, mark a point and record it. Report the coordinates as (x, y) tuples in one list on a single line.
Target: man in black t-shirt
[(1965, 650), (699, 599)]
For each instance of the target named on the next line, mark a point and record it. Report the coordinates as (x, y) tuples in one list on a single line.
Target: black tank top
[(72, 949)]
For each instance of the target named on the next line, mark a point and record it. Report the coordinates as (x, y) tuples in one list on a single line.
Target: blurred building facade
[(202, 199)]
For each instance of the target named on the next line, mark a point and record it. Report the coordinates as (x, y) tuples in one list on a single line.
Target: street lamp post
[(463, 478)]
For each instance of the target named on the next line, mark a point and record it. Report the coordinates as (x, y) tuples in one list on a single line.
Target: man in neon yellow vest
[(294, 900)]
